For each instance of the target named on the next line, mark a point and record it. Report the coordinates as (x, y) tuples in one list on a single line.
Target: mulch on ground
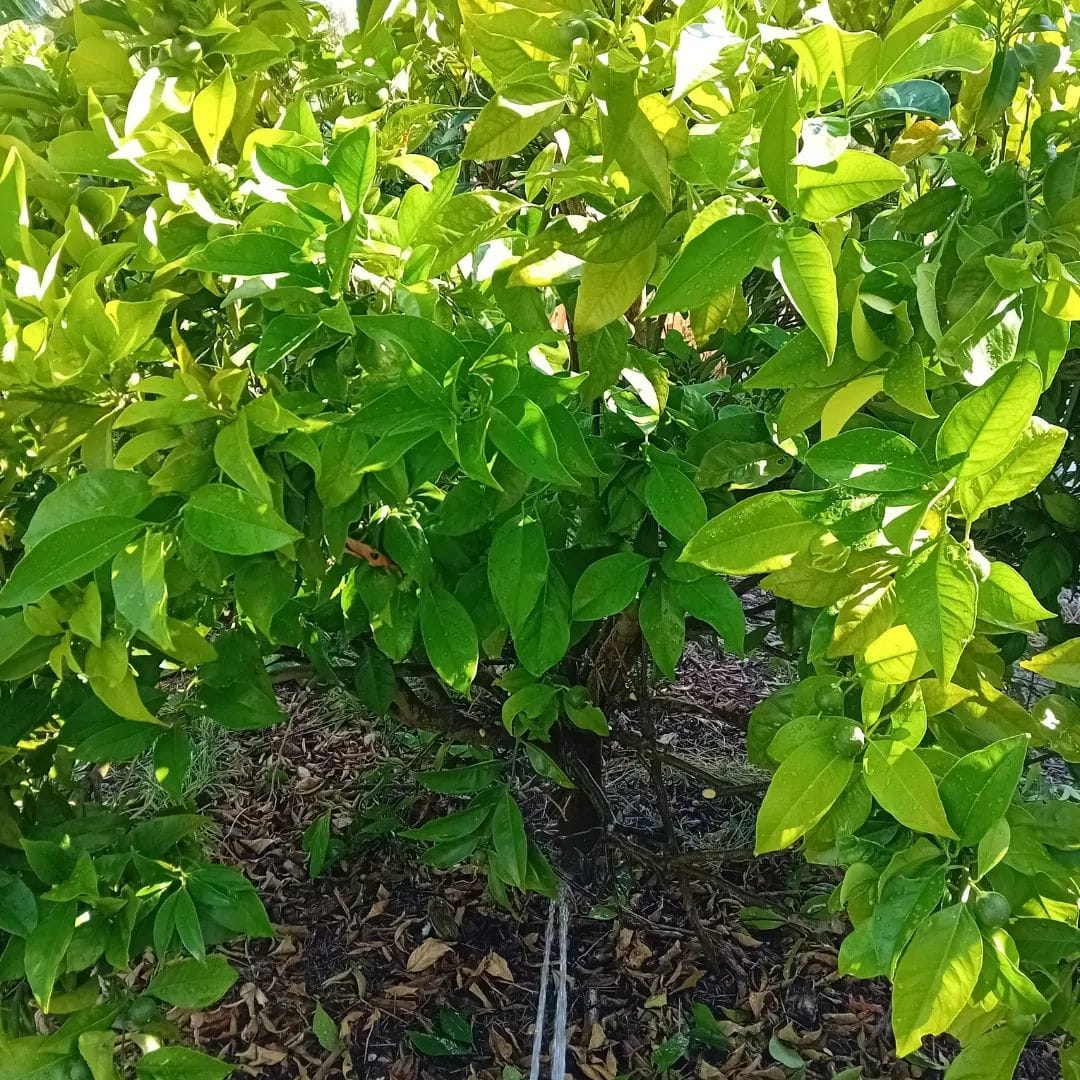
[(382, 942)]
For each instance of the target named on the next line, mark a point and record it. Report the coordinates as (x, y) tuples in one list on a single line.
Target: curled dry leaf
[(495, 966), (426, 954)]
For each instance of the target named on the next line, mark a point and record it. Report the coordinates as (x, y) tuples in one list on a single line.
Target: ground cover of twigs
[(379, 951)]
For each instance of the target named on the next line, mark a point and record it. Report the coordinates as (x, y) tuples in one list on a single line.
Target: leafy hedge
[(488, 342)]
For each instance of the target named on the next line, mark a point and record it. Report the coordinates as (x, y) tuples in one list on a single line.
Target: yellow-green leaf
[(904, 787), (212, 111), (711, 262), (802, 791), (511, 120), (609, 288), (102, 64), (935, 977), (1061, 663), (854, 178), (984, 425), (804, 268), (762, 533)]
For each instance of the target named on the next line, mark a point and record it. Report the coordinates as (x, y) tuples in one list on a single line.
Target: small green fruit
[(573, 30), (849, 740), (1021, 1023), (184, 50), (992, 910), (830, 700)]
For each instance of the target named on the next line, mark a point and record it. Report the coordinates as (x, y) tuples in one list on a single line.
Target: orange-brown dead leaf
[(372, 556)]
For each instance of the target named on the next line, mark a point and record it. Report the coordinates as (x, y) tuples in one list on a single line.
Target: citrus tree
[(493, 345)]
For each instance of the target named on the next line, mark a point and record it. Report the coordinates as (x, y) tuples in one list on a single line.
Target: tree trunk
[(585, 809)]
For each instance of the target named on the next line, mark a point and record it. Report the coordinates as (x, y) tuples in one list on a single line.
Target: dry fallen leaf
[(426, 954), (746, 940), (495, 966)]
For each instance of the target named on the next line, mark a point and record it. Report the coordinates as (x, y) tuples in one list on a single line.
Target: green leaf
[(957, 48), (180, 1063), (991, 1056), (352, 162), (449, 638), (194, 984), (101, 64), (1045, 943), (935, 977), (906, 900), (374, 680), (282, 336), (802, 791), (978, 789), (65, 555), (904, 787), (608, 289), (262, 588), (509, 840), (1060, 663), (463, 780), (317, 844), (1006, 599), (245, 254), (712, 600), (870, 459), (585, 716), (609, 585), (101, 493), (993, 847), (455, 826), (985, 425), (922, 97), (711, 262), (18, 908), (641, 154), (662, 624), (762, 533), (212, 111), (936, 597), (854, 178), (290, 166), (138, 583), (544, 636), (324, 1028), (188, 926), (1029, 459), (626, 231), (779, 143), (227, 519), (529, 443), (671, 1051), (906, 34), (237, 460), (673, 500), (783, 1053), (545, 765), (45, 948), (98, 1050), (517, 568), (85, 619), (512, 119), (804, 268), (172, 759)]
